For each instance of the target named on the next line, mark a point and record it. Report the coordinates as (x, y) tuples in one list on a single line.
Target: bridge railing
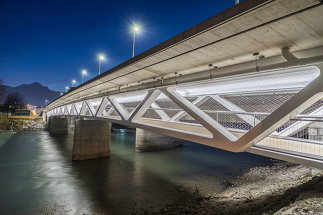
[(306, 127)]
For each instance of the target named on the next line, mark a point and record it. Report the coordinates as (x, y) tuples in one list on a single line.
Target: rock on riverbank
[(34, 125), (20, 125), (282, 189)]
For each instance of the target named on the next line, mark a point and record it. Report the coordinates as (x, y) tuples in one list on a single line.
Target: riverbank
[(281, 189), (45, 181), (21, 125)]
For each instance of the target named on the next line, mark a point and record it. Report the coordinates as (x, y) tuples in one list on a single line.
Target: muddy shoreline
[(281, 189)]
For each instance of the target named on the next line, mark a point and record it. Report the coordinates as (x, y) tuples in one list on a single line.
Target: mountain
[(34, 93)]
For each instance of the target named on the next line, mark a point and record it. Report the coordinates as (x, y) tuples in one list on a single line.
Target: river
[(38, 176)]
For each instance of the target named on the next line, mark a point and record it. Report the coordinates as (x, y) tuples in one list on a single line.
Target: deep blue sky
[(50, 41)]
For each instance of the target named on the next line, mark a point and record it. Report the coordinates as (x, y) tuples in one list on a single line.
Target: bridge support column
[(91, 139), (44, 115), (58, 125), (71, 121), (150, 141)]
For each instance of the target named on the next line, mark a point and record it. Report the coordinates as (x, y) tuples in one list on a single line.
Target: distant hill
[(34, 93)]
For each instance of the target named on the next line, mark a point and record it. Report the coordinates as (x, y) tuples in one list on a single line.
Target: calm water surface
[(37, 175)]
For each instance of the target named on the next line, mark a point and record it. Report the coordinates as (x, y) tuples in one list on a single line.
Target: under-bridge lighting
[(131, 97), (294, 78), (135, 28), (101, 58)]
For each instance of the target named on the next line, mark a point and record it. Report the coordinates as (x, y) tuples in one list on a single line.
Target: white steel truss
[(235, 113)]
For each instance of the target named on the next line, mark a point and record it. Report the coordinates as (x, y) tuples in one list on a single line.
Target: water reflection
[(38, 176)]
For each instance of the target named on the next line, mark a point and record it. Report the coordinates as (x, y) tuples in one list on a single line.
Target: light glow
[(101, 57), (84, 73), (136, 28)]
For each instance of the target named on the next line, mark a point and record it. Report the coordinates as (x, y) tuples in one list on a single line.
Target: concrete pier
[(71, 121), (44, 115), (58, 125), (91, 139), (150, 141)]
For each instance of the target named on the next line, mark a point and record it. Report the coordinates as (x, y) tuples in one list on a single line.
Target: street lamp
[(135, 29), (46, 100), (73, 82), (101, 58), (67, 88), (84, 72)]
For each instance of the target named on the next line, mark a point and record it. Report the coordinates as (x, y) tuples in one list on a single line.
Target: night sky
[(50, 41)]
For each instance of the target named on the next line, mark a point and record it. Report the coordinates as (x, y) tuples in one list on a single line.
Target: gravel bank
[(282, 189), (21, 125)]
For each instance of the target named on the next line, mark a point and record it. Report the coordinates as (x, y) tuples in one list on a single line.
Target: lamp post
[(84, 72), (73, 82), (101, 58), (67, 88), (135, 29)]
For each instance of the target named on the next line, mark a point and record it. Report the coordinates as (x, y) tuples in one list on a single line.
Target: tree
[(15, 99), (2, 91)]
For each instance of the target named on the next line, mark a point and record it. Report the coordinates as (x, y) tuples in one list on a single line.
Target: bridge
[(248, 79)]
